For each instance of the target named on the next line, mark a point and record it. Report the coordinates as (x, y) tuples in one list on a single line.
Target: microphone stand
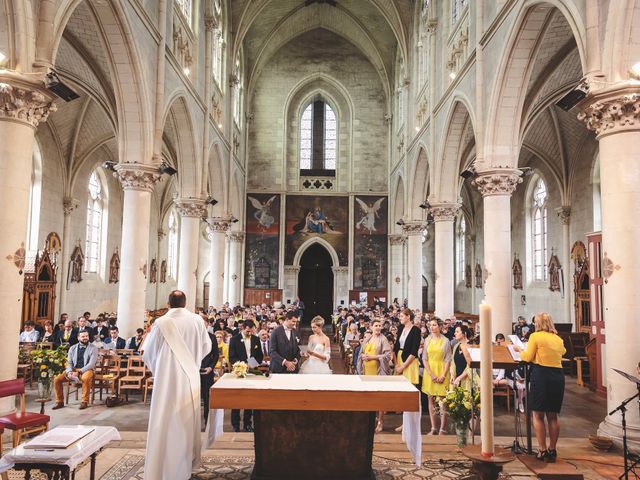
[(622, 408)]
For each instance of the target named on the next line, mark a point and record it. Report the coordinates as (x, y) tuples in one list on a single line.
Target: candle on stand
[(486, 376)]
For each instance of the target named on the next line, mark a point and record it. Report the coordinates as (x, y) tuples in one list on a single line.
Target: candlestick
[(486, 388)]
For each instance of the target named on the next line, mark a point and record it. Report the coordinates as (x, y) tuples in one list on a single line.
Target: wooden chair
[(503, 391), (134, 377), (106, 376), (25, 364), (73, 387), (21, 422), (148, 385)]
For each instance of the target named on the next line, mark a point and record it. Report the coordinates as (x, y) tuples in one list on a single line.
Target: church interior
[(327, 153)]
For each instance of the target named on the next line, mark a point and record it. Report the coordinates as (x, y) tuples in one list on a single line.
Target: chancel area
[(197, 190)]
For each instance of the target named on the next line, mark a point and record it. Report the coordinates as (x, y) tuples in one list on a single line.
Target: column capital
[(413, 227), (69, 205), (292, 269), (612, 110), (136, 176), (397, 239), (191, 207), (564, 214), (340, 269), (444, 212), (502, 181), (217, 225), (22, 100), (236, 237)]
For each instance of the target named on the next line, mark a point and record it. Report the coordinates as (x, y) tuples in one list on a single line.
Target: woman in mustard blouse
[(545, 349)]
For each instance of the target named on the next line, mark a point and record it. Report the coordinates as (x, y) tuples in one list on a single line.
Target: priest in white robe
[(173, 350)]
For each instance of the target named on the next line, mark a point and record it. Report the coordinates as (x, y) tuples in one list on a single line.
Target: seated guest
[(545, 350), (223, 347), (29, 334), (522, 329), (81, 361), (134, 342), (82, 327), (114, 342), (49, 335), (351, 335), (67, 336), (101, 330)]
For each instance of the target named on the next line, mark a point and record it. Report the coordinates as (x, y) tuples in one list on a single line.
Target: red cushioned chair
[(22, 423)]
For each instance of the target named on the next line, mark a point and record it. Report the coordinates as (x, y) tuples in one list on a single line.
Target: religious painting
[(314, 216), (370, 242), (262, 240)]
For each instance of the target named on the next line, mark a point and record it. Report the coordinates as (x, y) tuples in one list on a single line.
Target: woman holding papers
[(545, 350)]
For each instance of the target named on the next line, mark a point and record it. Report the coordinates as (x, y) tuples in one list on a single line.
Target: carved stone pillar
[(496, 187), (564, 214), (444, 215), (290, 283), (341, 284), (216, 230), (413, 231), (234, 277), (68, 206), (191, 210), (397, 257), (137, 182), (614, 114), (22, 107)]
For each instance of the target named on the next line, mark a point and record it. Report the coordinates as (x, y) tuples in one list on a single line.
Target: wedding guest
[(461, 364), (545, 350), (81, 361), (223, 358), (207, 373), (49, 335), (134, 342), (437, 361), (351, 335), (66, 335), (29, 334), (406, 349), (114, 342)]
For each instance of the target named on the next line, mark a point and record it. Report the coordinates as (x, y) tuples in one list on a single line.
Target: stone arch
[(420, 185), (447, 181), (217, 186), (134, 116), (504, 113), (302, 248), (179, 114)]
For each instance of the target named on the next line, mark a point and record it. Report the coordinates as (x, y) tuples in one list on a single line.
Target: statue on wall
[(163, 271), (77, 263), (114, 267), (554, 273), (516, 269), (467, 276), (153, 271), (479, 281)]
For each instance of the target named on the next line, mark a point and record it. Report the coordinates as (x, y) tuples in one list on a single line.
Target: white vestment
[(173, 351)]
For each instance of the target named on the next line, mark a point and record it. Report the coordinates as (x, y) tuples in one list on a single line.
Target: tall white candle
[(486, 388)]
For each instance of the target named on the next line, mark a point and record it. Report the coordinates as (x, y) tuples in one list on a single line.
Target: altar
[(314, 426)]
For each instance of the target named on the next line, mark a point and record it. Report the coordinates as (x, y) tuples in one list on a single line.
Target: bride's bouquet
[(240, 369)]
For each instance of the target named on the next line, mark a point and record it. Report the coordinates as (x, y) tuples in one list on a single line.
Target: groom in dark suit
[(284, 349)]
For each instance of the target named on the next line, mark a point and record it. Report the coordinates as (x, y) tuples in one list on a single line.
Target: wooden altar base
[(560, 470), (487, 468), (314, 445)]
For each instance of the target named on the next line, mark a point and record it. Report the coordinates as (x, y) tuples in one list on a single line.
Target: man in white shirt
[(264, 346), (29, 334)]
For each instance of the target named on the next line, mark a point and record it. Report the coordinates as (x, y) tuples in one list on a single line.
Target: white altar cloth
[(71, 456)]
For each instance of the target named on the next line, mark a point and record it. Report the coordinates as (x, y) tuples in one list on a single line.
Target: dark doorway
[(315, 283)]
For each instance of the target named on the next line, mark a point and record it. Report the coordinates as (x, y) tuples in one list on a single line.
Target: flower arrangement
[(461, 405), (240, 369), (47, 364)]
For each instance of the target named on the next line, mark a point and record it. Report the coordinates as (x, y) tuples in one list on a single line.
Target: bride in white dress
[(318, 350)]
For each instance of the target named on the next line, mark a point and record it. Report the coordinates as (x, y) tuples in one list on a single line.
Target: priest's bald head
[(177, 299)]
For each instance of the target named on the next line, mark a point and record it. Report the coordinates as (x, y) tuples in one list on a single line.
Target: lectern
[(314, 426)]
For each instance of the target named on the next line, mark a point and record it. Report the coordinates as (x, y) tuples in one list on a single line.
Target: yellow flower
[(43, 367)]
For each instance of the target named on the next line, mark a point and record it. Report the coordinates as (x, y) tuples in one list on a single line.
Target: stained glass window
[(539, 230), (94, 224)]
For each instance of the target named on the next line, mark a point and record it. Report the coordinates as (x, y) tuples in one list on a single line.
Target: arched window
[(318, 137), (185, 9), (461, 234), (457, 7), (172, 245), (218, 57), (539, 230), (238, 92), (94, 223), (35, 195)]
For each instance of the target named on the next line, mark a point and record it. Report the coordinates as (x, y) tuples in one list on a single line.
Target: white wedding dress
[(314, 364)]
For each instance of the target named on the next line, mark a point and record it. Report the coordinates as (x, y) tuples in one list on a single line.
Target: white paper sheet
[(514, 354), (59, 437), (475, 354)]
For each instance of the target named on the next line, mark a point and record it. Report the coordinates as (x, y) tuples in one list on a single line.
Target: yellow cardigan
[(544, 349)]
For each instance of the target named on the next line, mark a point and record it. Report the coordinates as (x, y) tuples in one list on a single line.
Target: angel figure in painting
[(370, 213), (262, 213)]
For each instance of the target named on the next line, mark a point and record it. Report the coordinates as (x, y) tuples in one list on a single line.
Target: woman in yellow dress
[(375, 357), (223, 348), (436, 358)]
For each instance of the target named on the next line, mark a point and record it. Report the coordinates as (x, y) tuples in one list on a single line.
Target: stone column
[(614, 114), (68, 206), (191, 210), (564, 214), (444, 214), (216, 230), (397, 263), (413, 231), (137, 181), (496, 187), (22, 107), (236, 241)]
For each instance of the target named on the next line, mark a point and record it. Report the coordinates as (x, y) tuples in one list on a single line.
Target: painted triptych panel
[(370, 242), (262, 240)]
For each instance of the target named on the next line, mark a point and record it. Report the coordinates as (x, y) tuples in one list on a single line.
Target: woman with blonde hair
[(318, 350), (375, 357), (436, 358), (545, 349)]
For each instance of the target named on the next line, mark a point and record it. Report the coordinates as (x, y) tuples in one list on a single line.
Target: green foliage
[(49, 363), (459, 404)]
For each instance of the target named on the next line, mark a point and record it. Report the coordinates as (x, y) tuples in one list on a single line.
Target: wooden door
[(597, 332)]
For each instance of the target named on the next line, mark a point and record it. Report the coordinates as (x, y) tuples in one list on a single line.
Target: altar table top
[(357, 393)]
